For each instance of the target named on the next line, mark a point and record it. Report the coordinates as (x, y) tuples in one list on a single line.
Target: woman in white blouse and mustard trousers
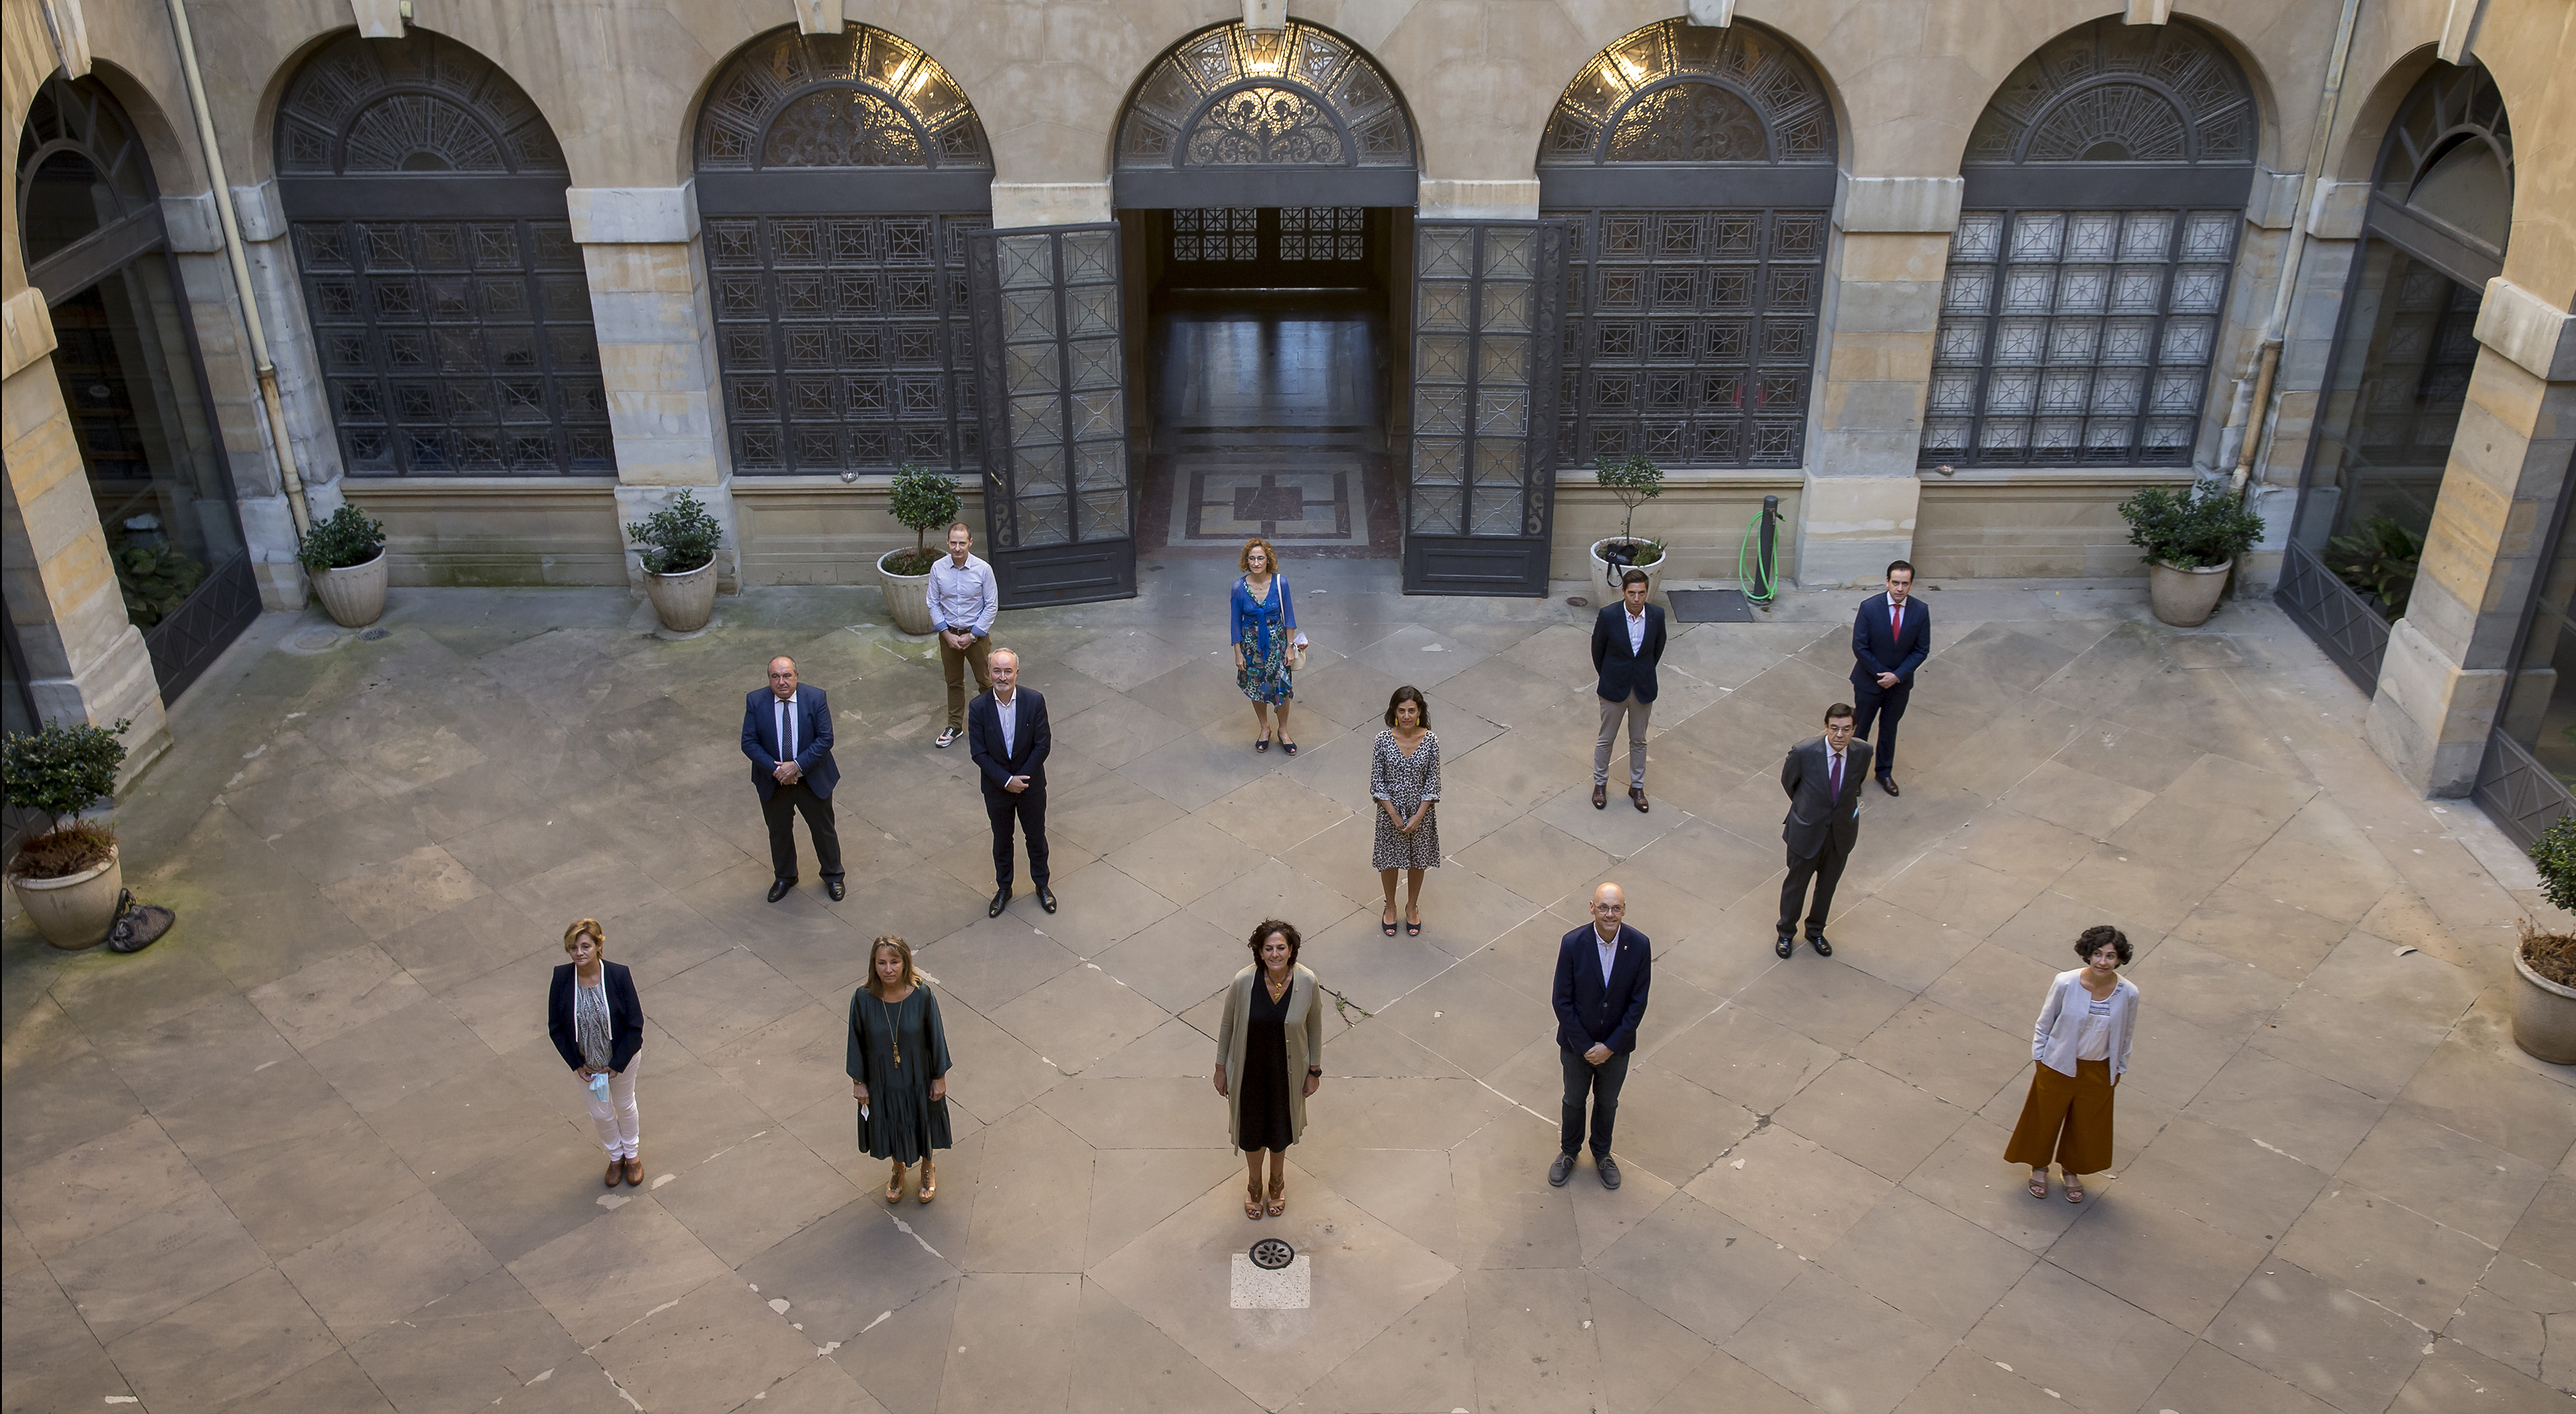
[(2081, 1045)]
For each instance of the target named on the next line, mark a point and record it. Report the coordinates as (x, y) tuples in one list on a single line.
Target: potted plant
[(2192, 538), (2544, 964), (922, 498), (1635, 481), (67, 878), (345, 552), (678, 544), (2379, 562)]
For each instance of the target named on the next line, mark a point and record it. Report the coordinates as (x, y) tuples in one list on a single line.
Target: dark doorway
[(1269, 355)]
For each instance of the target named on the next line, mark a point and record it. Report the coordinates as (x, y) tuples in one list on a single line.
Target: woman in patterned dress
[(1265, 625), (1404, 780)]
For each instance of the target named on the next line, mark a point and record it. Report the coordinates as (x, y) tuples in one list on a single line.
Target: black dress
[(1263, 1116), (896, 1051)]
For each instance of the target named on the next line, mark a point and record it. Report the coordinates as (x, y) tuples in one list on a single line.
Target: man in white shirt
[(1822, 777), (963, 601), (1627, 642)]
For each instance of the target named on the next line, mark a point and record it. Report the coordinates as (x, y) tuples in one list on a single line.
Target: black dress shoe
[(1560, 1171), (837, 888), (1786, 945), (1817, 941), (779, 890), (1888, 784), (1001, 900), (1608, 1168), (1600, 797), (1046, 898)]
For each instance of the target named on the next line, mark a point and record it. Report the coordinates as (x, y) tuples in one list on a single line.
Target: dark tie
[(786, 731), (1838, 776), (1895, 621)]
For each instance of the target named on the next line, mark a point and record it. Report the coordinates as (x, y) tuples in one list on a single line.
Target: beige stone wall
[(817, 530), (491, 530), (2031, 524), (1702, 520)]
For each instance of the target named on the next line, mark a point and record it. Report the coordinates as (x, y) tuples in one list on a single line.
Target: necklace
[(1277, 989)]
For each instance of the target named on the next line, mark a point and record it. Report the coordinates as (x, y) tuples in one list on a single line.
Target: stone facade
[(620, 84)]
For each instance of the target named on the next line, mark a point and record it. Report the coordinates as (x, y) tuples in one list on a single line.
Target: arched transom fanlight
[(2449, 156), (421, 104), (1676, 92), (2114, 92), (860, 98), (1296, 97), (80, 167)]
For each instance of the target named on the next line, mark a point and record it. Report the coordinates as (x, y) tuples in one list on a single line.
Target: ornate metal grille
[(844, 341), (1692, 336), (1216, 233), (839, 177), (1323, 233), (2106, 183), (2444, 189), (460, 345), (1690, 333), (1294, 98), (1482, 317), (2077, 336), (2341, 621), (189, 639)]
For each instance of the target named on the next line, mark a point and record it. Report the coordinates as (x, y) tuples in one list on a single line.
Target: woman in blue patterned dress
[(1265, 630), (1404, 781)]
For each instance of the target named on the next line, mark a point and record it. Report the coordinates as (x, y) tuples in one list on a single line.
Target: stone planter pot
[(354, 597), (907, 597), (684, 601), (2185, 598), (1607, 579), (73, 912), (2544, 1015)]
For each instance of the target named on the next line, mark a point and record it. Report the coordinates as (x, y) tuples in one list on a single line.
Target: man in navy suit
[(787, 733), (1008, 738), (1627, 641), (1890, 640), (1822, 778), (1601, 973)]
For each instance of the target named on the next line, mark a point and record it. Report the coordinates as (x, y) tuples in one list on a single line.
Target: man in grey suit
[(1822, 777)]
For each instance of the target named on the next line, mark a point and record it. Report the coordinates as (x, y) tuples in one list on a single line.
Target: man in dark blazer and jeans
[(787, 733), (1822, 778), (1890, 639), (1602, 969), (1627, 641), (1008, 737)]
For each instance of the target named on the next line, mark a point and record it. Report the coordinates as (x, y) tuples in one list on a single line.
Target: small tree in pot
[(2544, 964), (922, 499), (678, 545), (67, 878), (345, 553), (2192, 537), (1634, 481)]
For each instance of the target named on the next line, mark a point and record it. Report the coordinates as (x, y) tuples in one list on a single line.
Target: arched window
[(426, 195), (1696, 166), (1293, 117), (838, 176), (125, 355), (2106, 183)]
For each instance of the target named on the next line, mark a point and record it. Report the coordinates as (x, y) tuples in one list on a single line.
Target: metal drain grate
[(1711, 606)]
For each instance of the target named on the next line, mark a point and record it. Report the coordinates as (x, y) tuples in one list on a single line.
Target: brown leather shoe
[(634, 1172), (1600, 797), (616, 1171), (1638, 794)]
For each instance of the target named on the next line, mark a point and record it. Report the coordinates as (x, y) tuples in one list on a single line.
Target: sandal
[(1413, 925), (1386, 925), (929, 1183), (1289, 747), (2039, 1186), (1278, 1196), (1262, 745), (2074, 1189), (1252, 1200), (894, 1185)]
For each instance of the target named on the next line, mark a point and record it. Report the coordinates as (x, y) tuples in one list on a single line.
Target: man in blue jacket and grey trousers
[(1601, 973)]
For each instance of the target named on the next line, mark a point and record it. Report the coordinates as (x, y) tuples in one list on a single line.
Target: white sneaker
[(947, 735)]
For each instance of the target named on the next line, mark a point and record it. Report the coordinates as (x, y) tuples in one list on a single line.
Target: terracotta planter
[(2544, 1015), (1607, 578), (2185, 598), (73, 912), (354, 597), (684, 601), (907, 597)]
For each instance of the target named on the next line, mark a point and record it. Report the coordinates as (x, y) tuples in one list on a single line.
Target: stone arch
[(2114, 92), (2443, 184), (1236, 117), (1674, 92)]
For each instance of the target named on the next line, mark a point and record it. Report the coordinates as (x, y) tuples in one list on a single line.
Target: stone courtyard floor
[(314, 1152)]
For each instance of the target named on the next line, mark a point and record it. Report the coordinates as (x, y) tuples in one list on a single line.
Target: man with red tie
[(1890, 639), (1822, 777)]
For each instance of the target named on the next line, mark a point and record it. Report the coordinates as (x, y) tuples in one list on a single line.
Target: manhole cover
[(1272, 1254), (374, 634)]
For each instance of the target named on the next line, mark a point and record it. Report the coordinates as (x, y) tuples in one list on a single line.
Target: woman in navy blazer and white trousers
[(2081, 1047), (597, 1024)]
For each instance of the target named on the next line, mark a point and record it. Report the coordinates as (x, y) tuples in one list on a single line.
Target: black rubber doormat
[(1711, 606)]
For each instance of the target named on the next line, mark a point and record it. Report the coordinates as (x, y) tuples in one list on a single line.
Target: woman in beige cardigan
[(1269, 1058)]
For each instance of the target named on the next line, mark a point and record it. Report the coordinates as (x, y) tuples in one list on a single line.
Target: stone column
[(1865, 424), (2447, 661), (656, 325), (301, 391), (2334, 222), (85, 659), (239, 416)]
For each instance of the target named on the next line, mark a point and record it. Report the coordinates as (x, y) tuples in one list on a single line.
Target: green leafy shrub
[(341, 540), (2554, 855), (2197, 527), (922, 498), (58, 772), (678, 538), (2379, 560), (1635, 481), (156, 579)]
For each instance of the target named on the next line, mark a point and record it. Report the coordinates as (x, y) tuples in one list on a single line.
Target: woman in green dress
[(898, 1066)]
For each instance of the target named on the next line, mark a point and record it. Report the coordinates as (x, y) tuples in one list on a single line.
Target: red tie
[(1838, 776), (1895, 620)]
